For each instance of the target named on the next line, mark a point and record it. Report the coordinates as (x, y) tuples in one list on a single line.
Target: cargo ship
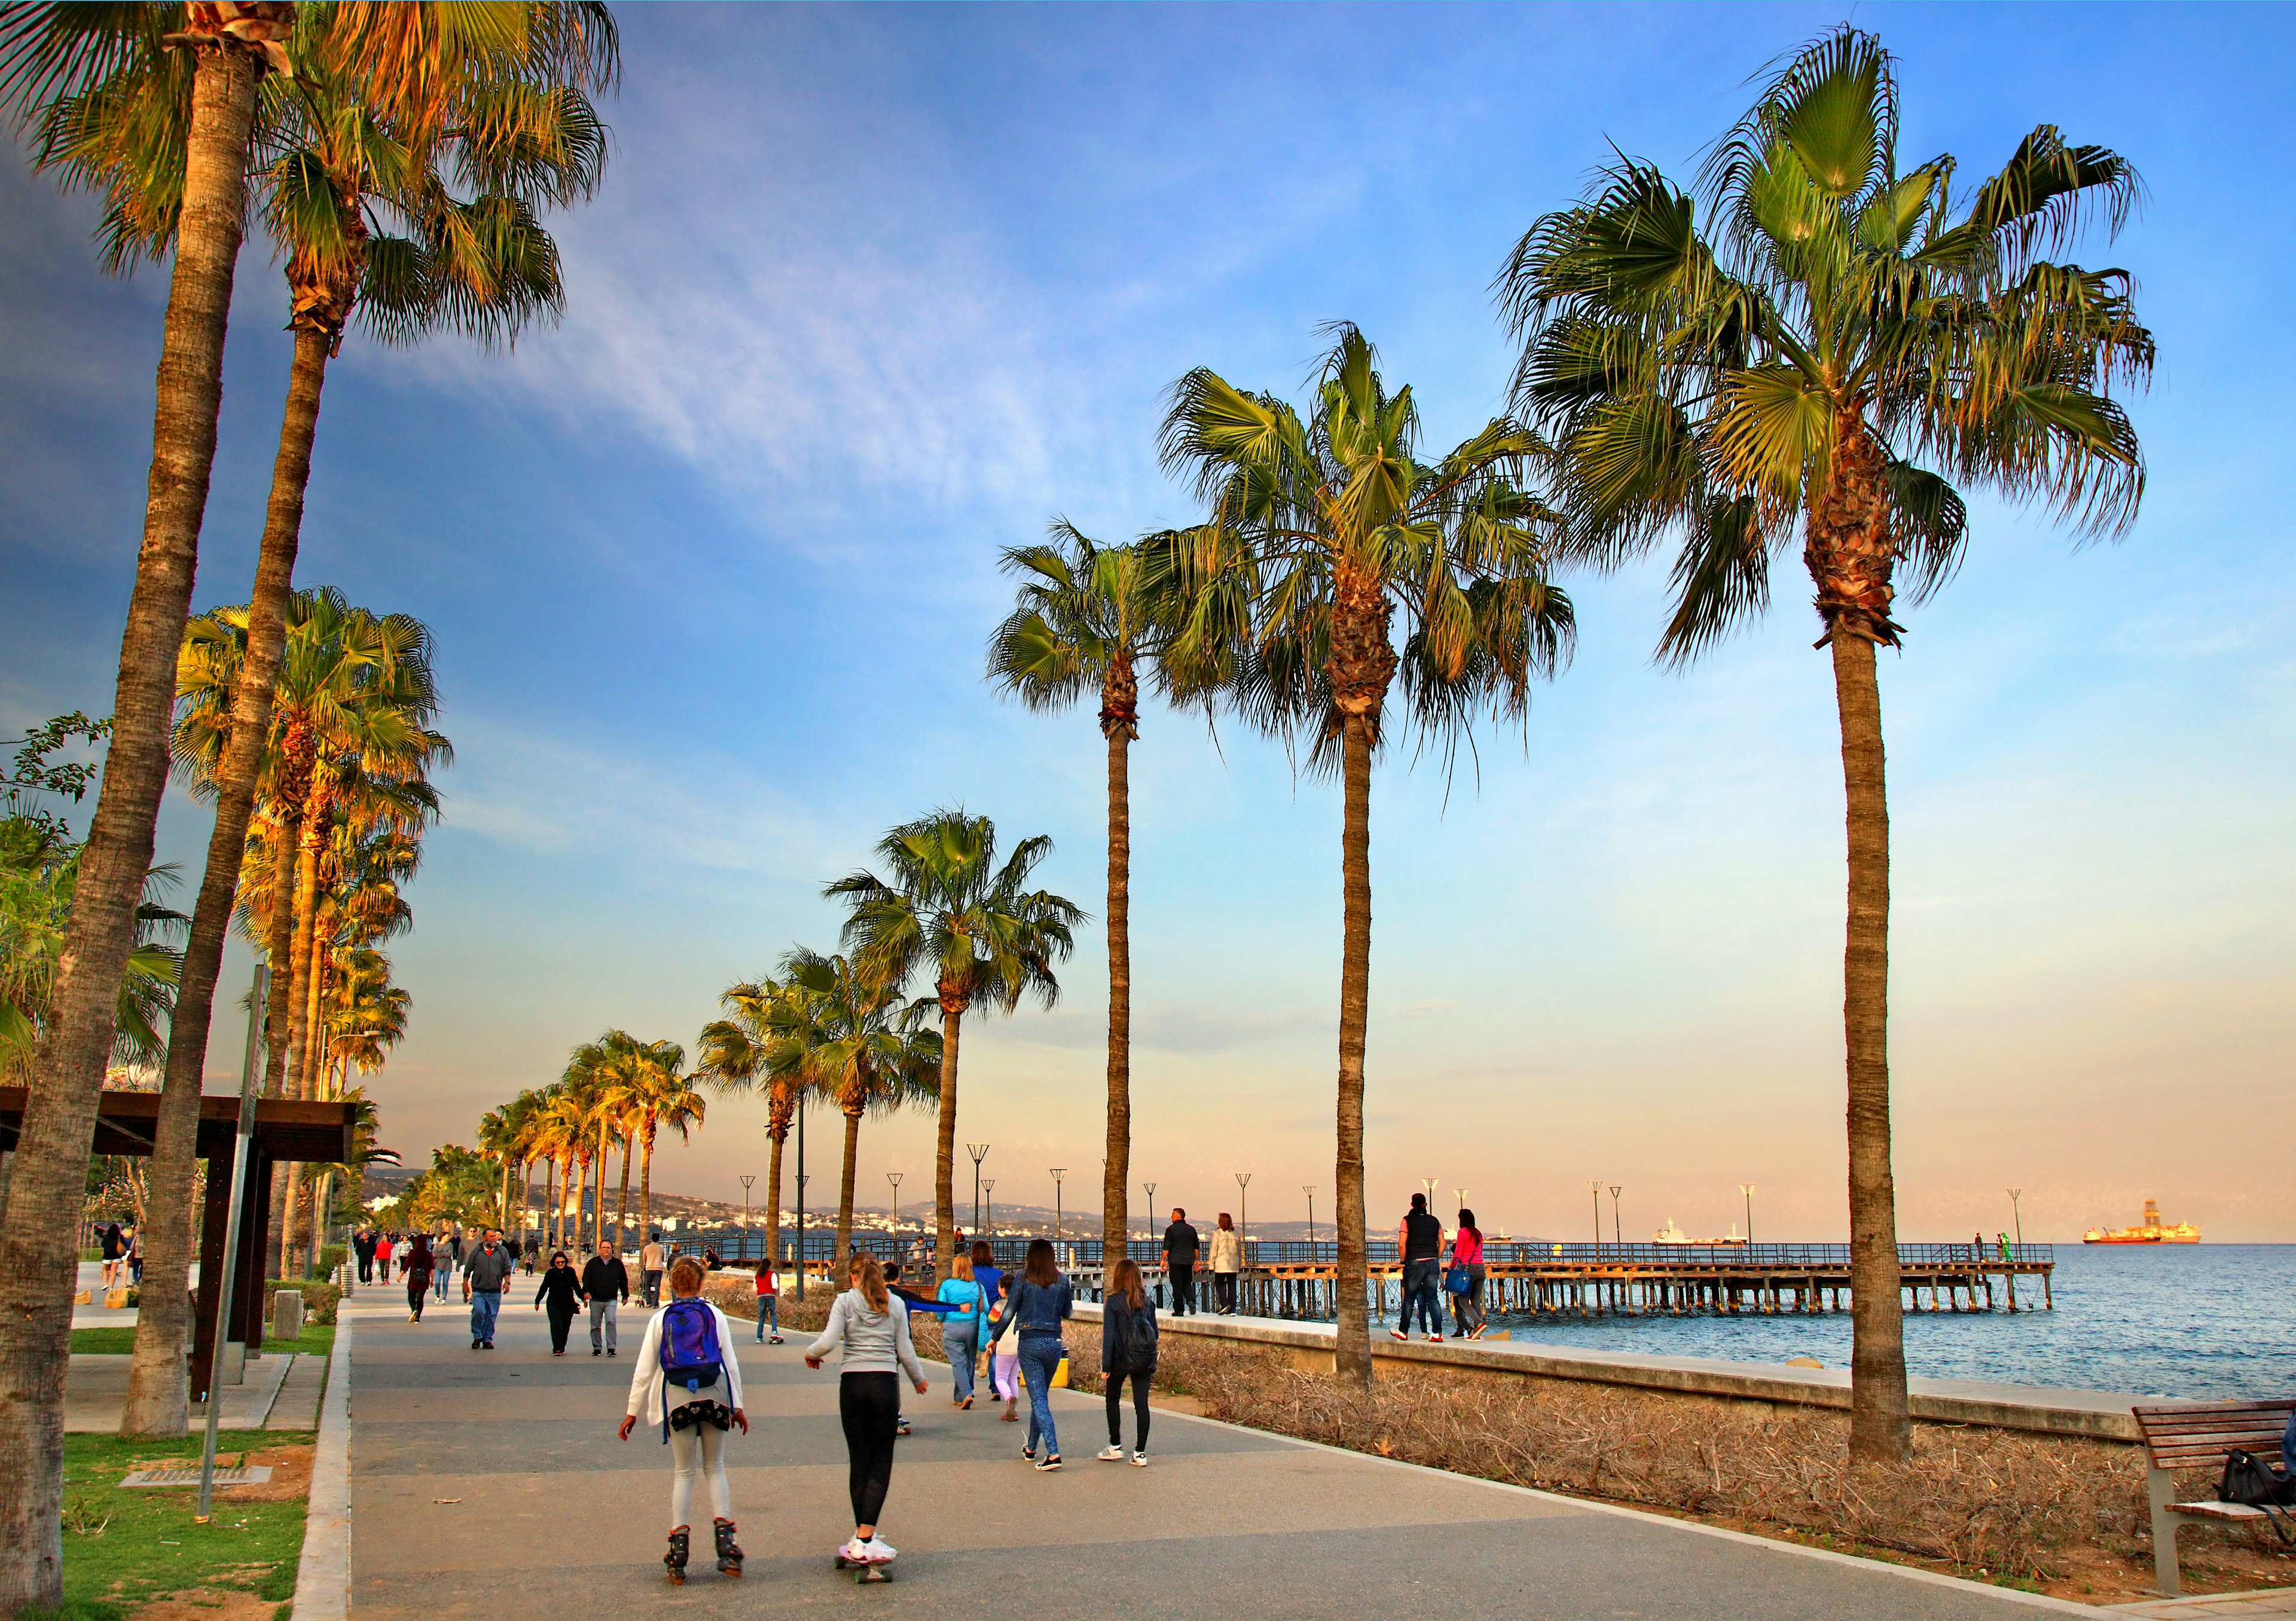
[(2151, 1233)]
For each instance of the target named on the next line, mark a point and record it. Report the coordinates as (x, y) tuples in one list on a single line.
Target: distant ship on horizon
[(1672, 1234), (2151, 1233)]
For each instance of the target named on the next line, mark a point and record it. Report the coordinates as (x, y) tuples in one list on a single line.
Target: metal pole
[(1059, 1171), (988, 1227), (980, 1151), (1595, 1188), (800, 1197), (242, 1146), (1747, 1188), (2018, 1215), (1615, 1236), (747, 1181), (1311, 1222), (895, 1178)]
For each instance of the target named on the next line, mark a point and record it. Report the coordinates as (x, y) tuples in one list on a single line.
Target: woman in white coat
[(694, 1418)]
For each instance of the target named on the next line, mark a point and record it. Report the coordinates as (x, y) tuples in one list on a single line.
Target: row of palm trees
[(399, 157), (617, 1091), (1808, 344)]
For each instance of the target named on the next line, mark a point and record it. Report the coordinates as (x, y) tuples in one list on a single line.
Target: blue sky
[(873, 291)]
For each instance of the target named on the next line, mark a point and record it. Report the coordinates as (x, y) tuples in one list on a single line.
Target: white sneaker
[(854, 1551), (877, 1550), (1139, 1459), (1111, 1455)]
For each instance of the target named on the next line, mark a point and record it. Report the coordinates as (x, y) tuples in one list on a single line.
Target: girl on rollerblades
[(687, 1380)]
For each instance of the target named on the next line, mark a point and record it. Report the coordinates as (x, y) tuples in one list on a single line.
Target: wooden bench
[(2196, 1436)]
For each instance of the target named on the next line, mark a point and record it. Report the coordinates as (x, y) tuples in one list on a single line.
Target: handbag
[(1459, 1281)]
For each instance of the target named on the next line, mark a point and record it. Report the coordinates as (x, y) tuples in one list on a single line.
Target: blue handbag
[(1458, 1281)]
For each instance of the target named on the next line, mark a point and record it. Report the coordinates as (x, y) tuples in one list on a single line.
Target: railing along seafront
[(1296, 1278)]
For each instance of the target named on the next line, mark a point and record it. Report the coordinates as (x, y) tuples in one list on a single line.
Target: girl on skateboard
[(687, 1378), (872, 1323)]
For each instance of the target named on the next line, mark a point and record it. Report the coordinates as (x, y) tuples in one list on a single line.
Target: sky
[(871, 292)]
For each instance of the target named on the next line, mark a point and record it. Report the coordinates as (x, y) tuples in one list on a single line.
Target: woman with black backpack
[(688, 1377), (1127, 1347)]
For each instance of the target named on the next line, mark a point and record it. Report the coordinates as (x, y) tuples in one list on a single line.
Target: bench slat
[(2216, 1510)]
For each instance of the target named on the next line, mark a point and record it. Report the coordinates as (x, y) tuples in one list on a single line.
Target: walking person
[(1039, 1304), (872, 1324), (446, 1250), (1003, 1353), (1463, 1281), (1127, 1350), (489, 1268), (959, 1329), (769, 1301), (688, 1377), (561, 1291), (1227, 1262), (106, 1245), (1180, 1246), (652, 1260), (988, 1274), (417, 1265), (383, 1249), (363, 1246), (607, 1283), (1419, 1240), (533, 1252), (131, 1240)]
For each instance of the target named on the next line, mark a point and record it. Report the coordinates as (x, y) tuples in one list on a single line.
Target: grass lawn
[(318, 1340), (124, 1549)]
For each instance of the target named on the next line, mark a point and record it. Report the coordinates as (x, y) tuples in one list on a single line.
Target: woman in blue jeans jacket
[(1040, 1302)]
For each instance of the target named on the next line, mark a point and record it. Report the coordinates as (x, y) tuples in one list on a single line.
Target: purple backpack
[(690, 1354)]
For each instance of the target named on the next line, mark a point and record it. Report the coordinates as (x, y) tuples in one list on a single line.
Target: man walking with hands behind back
[(1419, 1240), (652, 1260), (607, 1283), (483, 1275), (1180, 1246)]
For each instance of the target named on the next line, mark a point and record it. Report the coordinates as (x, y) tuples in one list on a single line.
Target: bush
[(330, 1255), (319, 1299)]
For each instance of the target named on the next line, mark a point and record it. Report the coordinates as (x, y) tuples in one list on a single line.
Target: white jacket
[(649, 1387), (1226, 1249)]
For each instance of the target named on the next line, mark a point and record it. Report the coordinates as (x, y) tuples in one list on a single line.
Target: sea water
[(2183, 1320)]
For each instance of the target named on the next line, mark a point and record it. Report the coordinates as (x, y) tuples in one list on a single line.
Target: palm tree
[(1088, 616), (946, 908), (733, 1052), (1821, 352), (1319, 531), (44, 56), (670, 1101), (842, 1032)]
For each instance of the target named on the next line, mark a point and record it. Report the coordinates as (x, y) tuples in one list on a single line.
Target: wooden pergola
[(286, 1129)]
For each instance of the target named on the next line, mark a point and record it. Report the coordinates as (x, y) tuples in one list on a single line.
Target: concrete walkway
[(490, 1484)]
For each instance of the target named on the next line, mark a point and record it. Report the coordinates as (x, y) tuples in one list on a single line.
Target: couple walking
[(1226, 1262), (1419, 1241), (603, 1285)]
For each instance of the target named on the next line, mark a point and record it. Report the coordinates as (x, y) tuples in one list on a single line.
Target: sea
[(2195, 1321)]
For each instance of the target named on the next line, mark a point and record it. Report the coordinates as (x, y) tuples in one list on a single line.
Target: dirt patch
[(289, 1482), (207, 1604)]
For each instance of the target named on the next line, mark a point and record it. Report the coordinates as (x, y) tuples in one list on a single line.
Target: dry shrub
[(735, 1294), (2009, 1503)]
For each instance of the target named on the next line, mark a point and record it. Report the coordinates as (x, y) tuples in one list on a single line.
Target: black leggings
[(559, 1326), (870, 1405), (1139, 1410)]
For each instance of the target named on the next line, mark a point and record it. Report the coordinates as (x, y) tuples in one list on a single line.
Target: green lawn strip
[(123, 1548), (318, 1340)]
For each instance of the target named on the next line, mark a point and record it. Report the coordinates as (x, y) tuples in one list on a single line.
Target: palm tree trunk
[(774, 1197), (549, 1193), (845, 1200), (1116, 1178), (952, 1018), (503, 1221), (645, 1177), (1352, 1360), (299, 995), (1881, 1420), (48, 1172), (155, 1404), (623, 1199)]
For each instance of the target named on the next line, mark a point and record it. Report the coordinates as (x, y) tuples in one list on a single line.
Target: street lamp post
[(2018, 1216), (748, 1182), (1311, 1222), (989, 1192), (1747, 1188), (1595, 1188), (980, 1151), (1059, 1171), (895, 1178), (1617, 1238), (1243, 1217), (801, 1198)]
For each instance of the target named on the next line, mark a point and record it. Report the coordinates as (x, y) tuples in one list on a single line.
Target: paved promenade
[(491, 1485)]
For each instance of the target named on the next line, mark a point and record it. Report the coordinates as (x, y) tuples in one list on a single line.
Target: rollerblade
[(729, 1552), (680, 1541)]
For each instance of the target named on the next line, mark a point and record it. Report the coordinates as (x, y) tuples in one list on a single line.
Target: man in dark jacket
[(363, 1241), (1180, 1263), (608, 1284), (483, 1275)]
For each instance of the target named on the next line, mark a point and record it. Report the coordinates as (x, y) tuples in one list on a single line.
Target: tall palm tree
[(1321, 529), (842, 1031), (1087, 617), (666, 1098), (1831, 349), (947, 909), (45, 54), (734, 1052)]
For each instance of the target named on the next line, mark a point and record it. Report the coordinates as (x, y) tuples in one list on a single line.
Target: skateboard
[(865, 1571)]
